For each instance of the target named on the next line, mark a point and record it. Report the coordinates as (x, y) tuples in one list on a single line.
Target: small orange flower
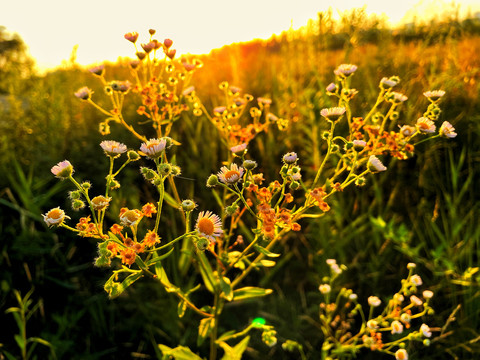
[(116, 229), (288, 198), (128, 256), (138, 247), (112, 247), (149, 209), (151, 238), (323, 206), (296, 227)]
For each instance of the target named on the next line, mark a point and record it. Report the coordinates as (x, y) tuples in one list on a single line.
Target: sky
[(51, 28)]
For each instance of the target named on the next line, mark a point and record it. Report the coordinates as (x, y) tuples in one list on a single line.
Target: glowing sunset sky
[(51, 28)]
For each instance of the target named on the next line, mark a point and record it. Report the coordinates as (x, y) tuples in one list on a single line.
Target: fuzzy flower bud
[(212, 180)]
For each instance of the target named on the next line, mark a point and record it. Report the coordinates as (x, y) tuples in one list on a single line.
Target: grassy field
[(422, 210)]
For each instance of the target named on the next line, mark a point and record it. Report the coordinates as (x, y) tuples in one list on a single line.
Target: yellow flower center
[(55, 214), (232, 175), (206, 226)]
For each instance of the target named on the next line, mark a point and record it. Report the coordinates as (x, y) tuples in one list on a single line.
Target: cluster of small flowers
[(396, 317)]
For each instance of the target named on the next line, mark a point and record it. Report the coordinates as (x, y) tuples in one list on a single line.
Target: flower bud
[(212, 180), (202, 244), (188, 205), (165, 169), (77, 204), (232, 209), (133, 155), (294, 185), (249, 164), (74, 195), (86, 185), (175, 170)]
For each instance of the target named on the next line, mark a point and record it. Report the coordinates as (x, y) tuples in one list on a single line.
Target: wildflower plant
[(348, 326), (256, 214)]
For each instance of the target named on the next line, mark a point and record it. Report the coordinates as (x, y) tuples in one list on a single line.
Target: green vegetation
[(422, 210)]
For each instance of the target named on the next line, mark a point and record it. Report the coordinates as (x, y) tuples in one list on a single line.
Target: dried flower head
[(447, 130), (63, 169), (97, 70), (209, 225), (153, 148), (131, 36), (100, 202), (55, 216), (113, 148), (84, 93), (130, 217), (230, 175)]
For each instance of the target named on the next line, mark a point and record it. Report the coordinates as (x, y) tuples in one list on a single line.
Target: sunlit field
[(310, 196)]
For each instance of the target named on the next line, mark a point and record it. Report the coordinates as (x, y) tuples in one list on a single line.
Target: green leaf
[(114, 288), (162, 277), (20, 341), (181, 308), (250, 292), (267, 263), (159, 258), (236, 352), (178, 353), (206, 326), (264, 251), (226, 288)]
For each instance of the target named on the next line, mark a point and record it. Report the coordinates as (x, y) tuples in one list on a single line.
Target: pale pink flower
[(416, 280), (425, 125), (230, 175), (425, 330), (63, 169), (240, 148), (447, 130), (428, 294), (153, 148), (345, 70), (332, 114), (375, 165), (84, 93), (113, 148), (209, 225), (415, 300)]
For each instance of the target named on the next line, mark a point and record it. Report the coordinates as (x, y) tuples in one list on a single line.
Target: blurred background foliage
[(423, 210)]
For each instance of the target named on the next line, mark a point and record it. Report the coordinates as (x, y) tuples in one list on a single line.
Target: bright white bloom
[(331, 261), (375, 165), (447, 130), (372, 324), (428, 294), (389, 82), (398, 298), (238, 148), (416, 280), (397, 327), (55, 216), (415, 300), (401, 354), (411, 265), (405, 317), (374, 301), (290, 158), (324, 288), (407, 130), (425, 330)]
